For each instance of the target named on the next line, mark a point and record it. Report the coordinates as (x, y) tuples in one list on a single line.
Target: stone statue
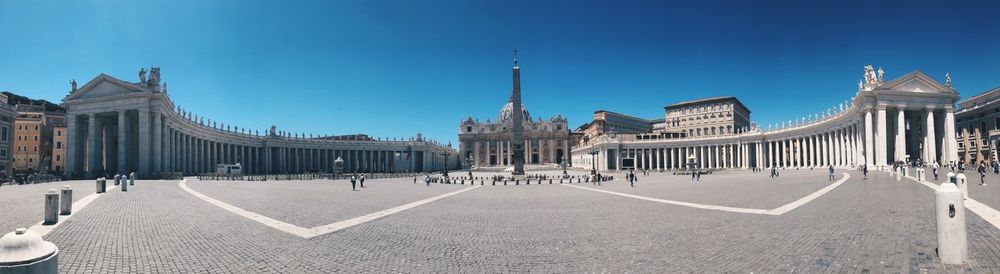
[(947, 79), (154, 77), (861, 85), (870, 78), (881, 76), (142, 75), (73, 84), (164, 87)]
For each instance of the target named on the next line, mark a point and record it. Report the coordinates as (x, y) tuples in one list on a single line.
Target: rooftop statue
[(142, 75), (947, 79), (73, 84), (881, 76)]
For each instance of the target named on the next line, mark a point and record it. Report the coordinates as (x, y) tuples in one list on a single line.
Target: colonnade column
[(929, 140), (900, 136), (881, 138)]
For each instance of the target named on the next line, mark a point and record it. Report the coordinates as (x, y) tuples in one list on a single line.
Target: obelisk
[(517, 119)]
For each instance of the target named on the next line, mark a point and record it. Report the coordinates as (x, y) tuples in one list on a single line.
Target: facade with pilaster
[(977, 123), (909, 119), (119, 127)]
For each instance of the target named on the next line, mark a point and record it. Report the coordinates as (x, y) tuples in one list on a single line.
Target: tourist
[(362, 180), (353, 183), (982, 173), (865, 170), (831, 172), (935, 167), (428, 180)]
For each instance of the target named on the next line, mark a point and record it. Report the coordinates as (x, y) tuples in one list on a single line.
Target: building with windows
[(58, 163), (488, 144), (8, 115), (117, 127), (716, 116), (33, 138), (976, 122), (606, 122), (909, 119)]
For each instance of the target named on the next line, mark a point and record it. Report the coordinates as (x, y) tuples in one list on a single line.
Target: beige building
[(8, 115), (977, 122), (28, 145), (716, 116), (58, 164), (607, 122)]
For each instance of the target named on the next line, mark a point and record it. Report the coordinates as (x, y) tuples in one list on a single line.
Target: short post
[(131, 179), (953, 247), (25, 252), (906, 171), (124, 184), (118, 178), (66, 201), (97, 187), (962, 185), (104, 185), (951, 178), (920, 175), (51, 207)]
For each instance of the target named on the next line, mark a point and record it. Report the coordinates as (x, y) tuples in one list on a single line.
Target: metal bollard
[(124, 184), (66, 201), (51, 207), (24, 251), (953, 247), (104, 185), (97, 187), (962, 185), (117, 179), (131, 179)]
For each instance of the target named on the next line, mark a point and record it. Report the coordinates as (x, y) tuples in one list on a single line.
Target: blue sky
[(395, 68)]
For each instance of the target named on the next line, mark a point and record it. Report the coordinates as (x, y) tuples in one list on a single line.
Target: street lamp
[(593, 161)]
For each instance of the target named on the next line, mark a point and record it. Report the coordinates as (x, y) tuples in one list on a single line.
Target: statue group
[(154, 78)]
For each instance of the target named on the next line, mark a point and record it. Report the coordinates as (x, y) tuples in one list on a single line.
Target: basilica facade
[(489, 144)]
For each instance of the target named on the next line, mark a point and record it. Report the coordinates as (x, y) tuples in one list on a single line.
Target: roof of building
[(980, 99), (619, 114)]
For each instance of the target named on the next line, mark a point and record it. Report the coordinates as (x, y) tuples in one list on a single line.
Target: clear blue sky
[(395, 68)]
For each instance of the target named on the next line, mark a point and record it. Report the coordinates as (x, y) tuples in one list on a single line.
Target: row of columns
[(722, 156)]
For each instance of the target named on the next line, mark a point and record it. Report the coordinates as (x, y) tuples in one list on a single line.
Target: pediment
[(103, 86), (917, 82)]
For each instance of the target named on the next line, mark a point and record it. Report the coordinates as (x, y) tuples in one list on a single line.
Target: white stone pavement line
[(777, 211), (43, 230), (984, 211), (309, 233)]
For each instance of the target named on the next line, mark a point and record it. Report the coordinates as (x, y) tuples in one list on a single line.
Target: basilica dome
[(505, 114)]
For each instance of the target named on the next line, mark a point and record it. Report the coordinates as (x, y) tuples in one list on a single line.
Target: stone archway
[(559, 156)]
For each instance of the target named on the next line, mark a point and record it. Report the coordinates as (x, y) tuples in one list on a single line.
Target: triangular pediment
[(917, 82), (102, 86)]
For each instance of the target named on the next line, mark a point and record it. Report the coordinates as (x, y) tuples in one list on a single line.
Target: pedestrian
[(354, 183), (362, 180), (865, 169), (982, 174), (935, 167), (632, 182), (831, 172), (428, 180)]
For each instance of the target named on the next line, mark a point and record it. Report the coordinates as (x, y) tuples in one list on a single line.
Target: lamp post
[(593, 161)]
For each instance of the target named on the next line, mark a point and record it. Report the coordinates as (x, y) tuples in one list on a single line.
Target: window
[(36, 138), (58, 132), (3, 134), (58, 144), (58, 158), (36, 127), (468, 129), (3, 153)]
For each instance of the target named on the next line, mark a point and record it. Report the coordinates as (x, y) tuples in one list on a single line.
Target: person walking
[(935, 169), (865, 170), (632, 182), (354, 183), (831, 172), (362, 180), (982, 174), (428, 180)]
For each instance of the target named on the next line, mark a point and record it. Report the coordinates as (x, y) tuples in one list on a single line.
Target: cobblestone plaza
[(874, 224)]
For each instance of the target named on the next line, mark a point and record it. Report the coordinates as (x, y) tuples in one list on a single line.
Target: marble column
[(949, 131), (122, 160), (144, 147), (900, 136), (93, 147), (929, 141), (881, 138)]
